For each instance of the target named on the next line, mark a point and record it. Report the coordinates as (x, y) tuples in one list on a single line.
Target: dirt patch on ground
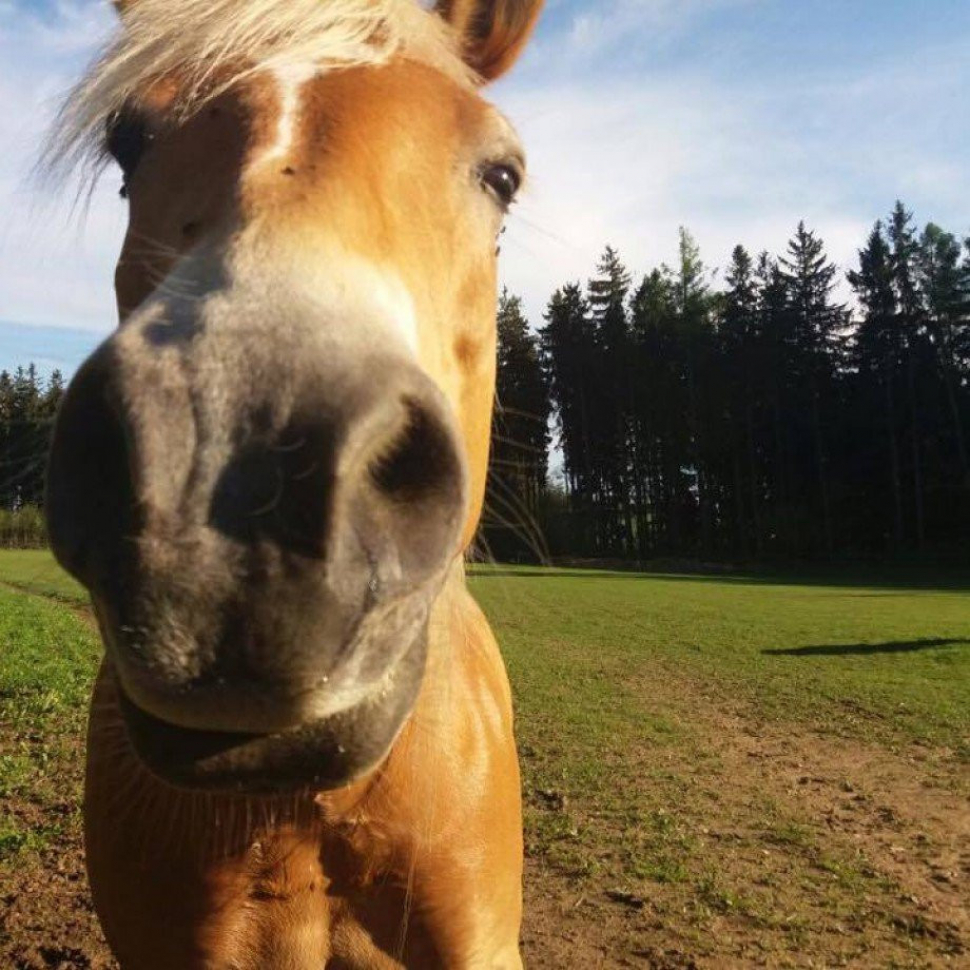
[(47, 920), (765, 845), (813, 852), (906, 814)]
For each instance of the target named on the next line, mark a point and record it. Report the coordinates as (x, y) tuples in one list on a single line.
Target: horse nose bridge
[(185, 389), (264, 436)]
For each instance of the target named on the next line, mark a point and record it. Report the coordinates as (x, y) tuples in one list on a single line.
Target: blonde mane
[(210, 45)]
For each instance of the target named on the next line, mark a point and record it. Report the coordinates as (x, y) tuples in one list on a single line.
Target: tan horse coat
[(366, 174)]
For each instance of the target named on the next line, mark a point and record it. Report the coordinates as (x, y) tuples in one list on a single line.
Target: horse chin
[(320, 755)]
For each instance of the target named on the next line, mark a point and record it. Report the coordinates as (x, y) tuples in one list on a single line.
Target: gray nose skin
[(263, 516)]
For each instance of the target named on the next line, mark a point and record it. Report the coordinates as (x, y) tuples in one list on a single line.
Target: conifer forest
[(793, 411), (780, 409)]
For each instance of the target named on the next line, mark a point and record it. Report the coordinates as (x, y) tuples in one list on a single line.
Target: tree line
[(28, 405), (759, 419), (670, 417)]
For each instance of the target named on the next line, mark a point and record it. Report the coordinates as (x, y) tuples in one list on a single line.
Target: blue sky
[(735, 118)]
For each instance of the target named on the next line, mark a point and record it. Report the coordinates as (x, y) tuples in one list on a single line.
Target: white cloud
[(603, 25), (579, 36), (618, 154), (56, 263), (626, 159), (628, 165)]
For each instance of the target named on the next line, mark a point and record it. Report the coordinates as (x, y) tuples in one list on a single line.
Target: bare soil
[(820, 852)]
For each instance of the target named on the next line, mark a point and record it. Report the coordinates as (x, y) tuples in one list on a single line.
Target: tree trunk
[(893, 455), (917, 457), (783, 510), (742, 532), (946, 365), (753, 481), (821, 465)]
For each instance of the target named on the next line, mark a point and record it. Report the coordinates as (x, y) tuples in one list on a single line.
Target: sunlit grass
[(48, 657), (36, 571), (870, 661), (615, 677)]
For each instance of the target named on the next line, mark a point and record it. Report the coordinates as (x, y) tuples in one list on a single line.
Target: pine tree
[(655, 387), (944, 281), (27, 411), (694, 304), (817, 341), (568, 345), (878, 352), (775, 327), (912, 329), (611, 399), (520, 435), (740, 351)]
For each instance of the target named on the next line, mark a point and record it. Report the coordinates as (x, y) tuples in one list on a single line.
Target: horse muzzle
[(264, 506)]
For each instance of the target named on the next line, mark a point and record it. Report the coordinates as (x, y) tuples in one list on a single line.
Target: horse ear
[(493, 32)]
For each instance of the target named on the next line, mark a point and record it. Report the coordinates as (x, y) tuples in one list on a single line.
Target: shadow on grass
[(883, 584), (863, 649)]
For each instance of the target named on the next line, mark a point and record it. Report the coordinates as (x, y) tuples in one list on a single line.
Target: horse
[(300, 750)]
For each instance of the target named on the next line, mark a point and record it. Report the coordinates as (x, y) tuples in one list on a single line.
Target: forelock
[(209, 45)]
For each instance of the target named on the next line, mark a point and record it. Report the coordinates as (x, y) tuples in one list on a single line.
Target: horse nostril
[(417, 480), (90, 492), (380, 474), (416, 460), (278, 489)]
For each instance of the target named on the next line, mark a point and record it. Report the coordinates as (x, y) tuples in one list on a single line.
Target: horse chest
[(295, 904)]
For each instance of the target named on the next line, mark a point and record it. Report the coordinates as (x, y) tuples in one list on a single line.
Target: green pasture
[(599, 648), (35, 571), (617, 679), (48, 657), (891, 660)]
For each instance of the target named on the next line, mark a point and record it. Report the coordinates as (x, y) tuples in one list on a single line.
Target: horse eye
[(503, 181), (127, 138)]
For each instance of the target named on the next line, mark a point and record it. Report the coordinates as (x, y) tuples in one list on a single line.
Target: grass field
[(722, 771)]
